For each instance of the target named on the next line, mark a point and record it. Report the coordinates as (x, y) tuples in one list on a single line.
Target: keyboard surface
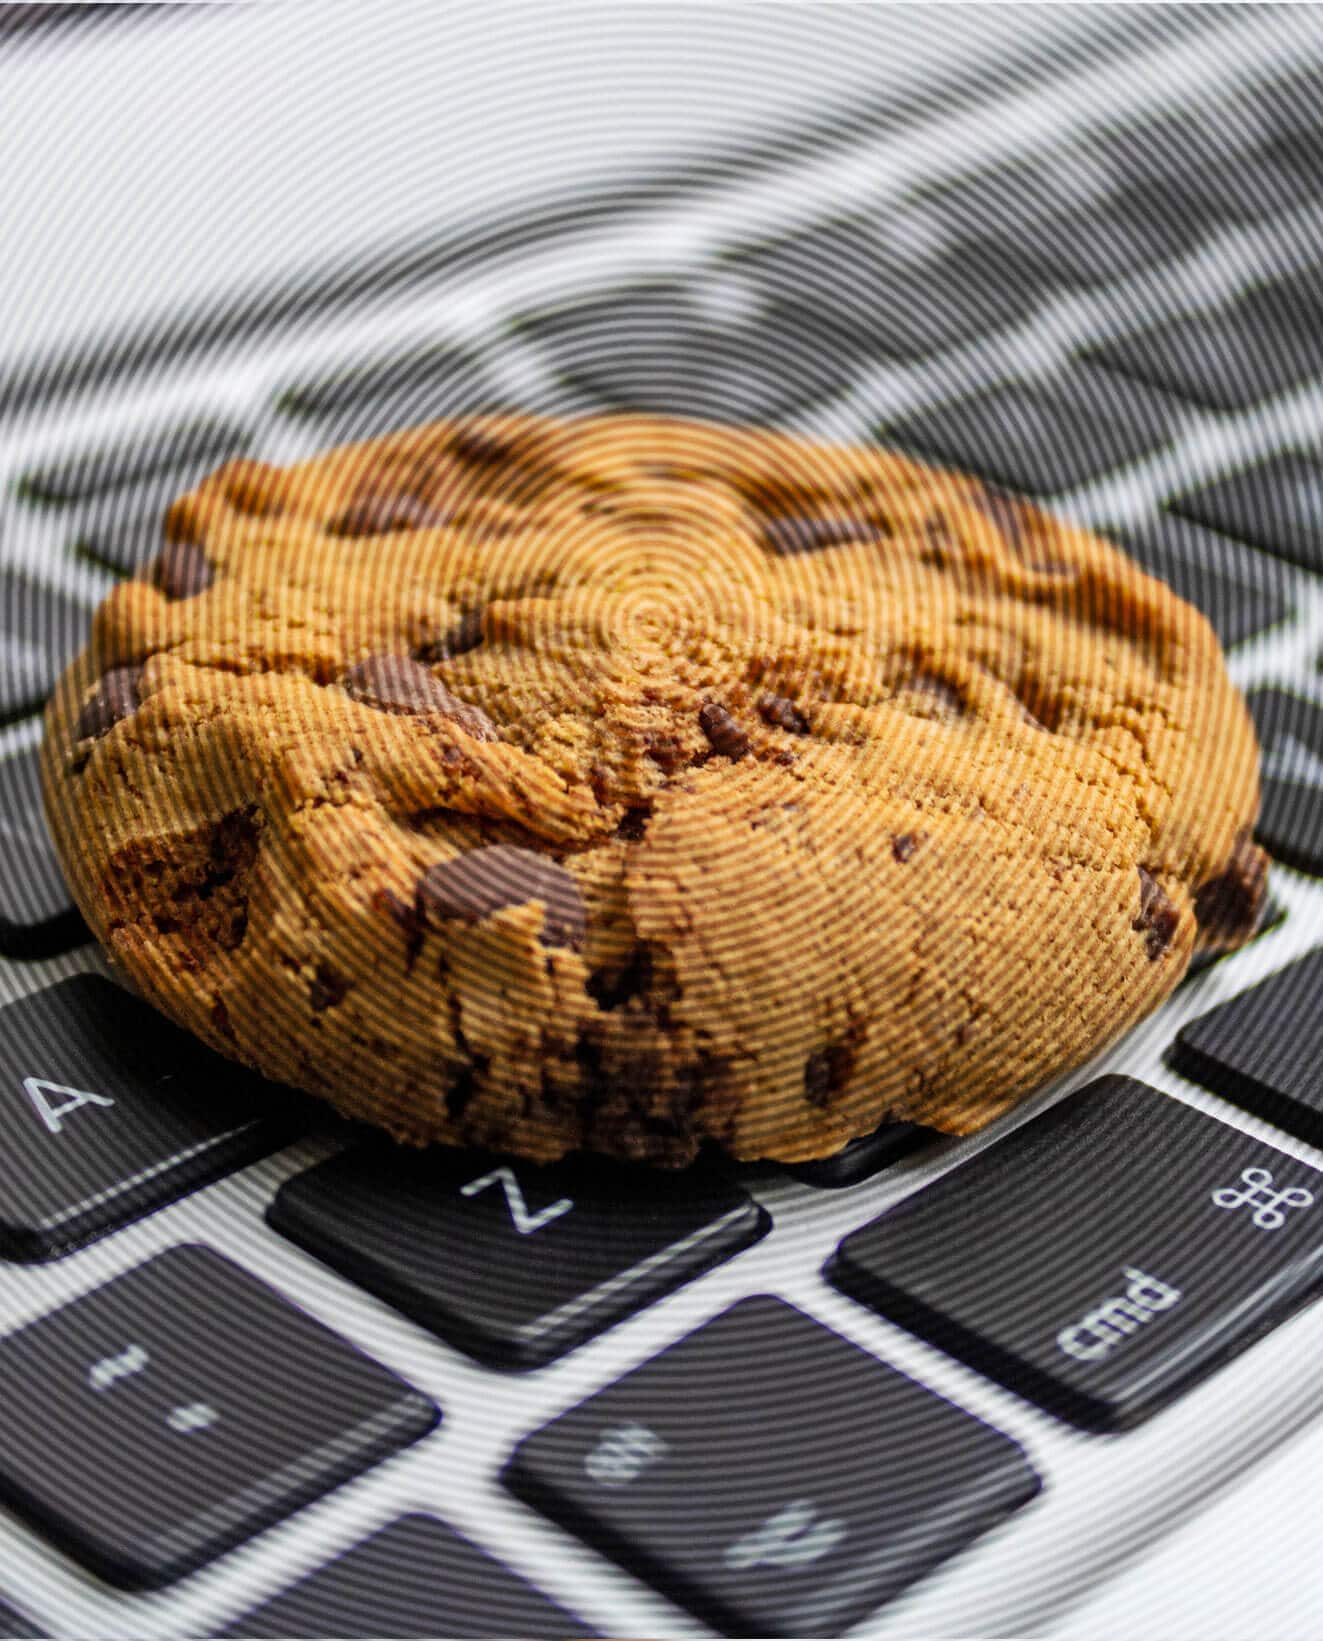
[(300, 1385)]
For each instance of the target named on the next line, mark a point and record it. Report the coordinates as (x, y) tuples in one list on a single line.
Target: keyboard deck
[(261, 1370)]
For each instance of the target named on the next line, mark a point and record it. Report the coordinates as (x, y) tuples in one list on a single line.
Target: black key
[(512, 1263), (89, 473), (1118, 1258), (107, 1111), (1088, 248), (770, 1476), (14, 1627), (1263, 1050), (123, 528), (1040, 438), (416, 1578), (450, 377), (37, 913), (863, 1158), (186, 1406), (1271, 915), (659, 308), (1242, 593), (1276, 505), (1232, 358), (40, 633), (1290, 731)]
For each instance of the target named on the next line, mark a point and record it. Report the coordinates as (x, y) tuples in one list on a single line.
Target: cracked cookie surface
[(626, 783)]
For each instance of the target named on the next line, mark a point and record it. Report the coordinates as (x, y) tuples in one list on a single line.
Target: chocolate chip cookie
[(626, 784)]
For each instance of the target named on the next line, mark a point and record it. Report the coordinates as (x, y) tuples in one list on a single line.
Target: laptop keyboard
[(1051, 324)]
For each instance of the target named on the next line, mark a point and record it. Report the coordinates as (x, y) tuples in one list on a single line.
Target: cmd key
[(770, 1476), (1102, 1258), (108, 1111), (1263, 1050), (514, 1264), (181, 1408), (416, 1578)]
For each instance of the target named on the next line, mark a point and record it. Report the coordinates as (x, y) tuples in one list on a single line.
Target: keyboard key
[(1290, 731), (1087, 248), (1276, 505), (770, 1476), (448, 376), (512, 1263), (862, 1158), (658, 354), (1040, 438), (1232, 358), (1263, 1050), (37, 913), (107, 1111), (1118, 1259), (123, 528), (842, 290), (190, 1407), (14, 1627), (90, 473), (1242, 593), (414, 1578), (41, 631)]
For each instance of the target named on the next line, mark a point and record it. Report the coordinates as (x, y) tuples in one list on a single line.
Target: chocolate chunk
[(116, 697), (484, 446), (826, 1072), (1227, 907), (789, 535), (181, 570), (781, 713), (465, 635), (327, 988), (397, 683), (634, 823), (932, 697), (378, 512), (611, 987), (474, 885), (904, 844), (722, 731), (1157, 917)]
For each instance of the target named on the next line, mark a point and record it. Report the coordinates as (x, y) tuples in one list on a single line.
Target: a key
[(414, 1578), (862, 1158), (451, 377), (37, 914), (1230, 359), (1276, 505), (770, 1476), (1123, 1251), (1290, 731), (108, 1111), (512, 1263), (1241, 592), (1263, 1049), (1043, 438), (41, 631), (190, 1406), (90, 473)]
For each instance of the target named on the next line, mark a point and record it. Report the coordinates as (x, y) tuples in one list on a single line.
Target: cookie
[(627, 784)]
